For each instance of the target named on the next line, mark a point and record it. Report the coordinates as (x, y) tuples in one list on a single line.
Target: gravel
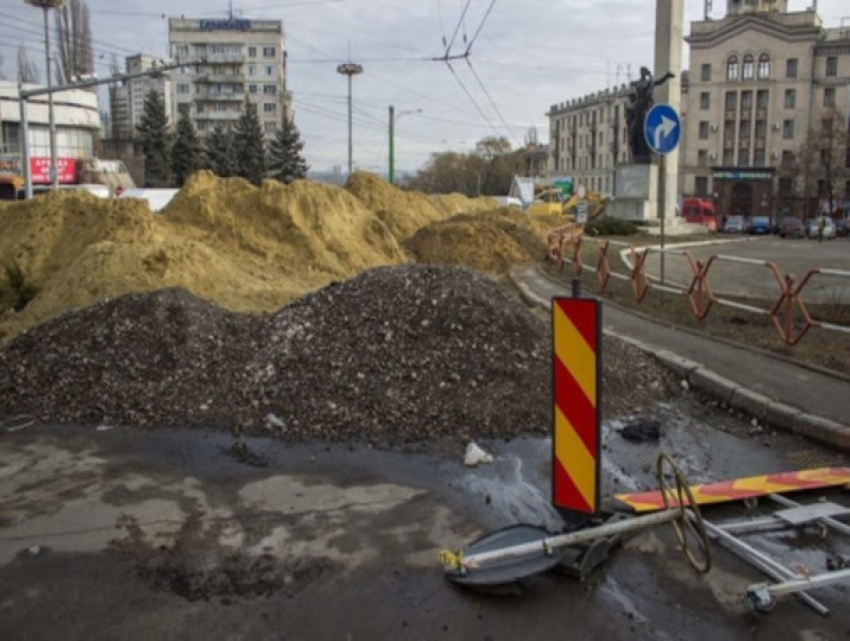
[(395, 356)]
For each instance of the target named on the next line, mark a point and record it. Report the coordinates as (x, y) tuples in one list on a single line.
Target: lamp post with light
[(46, 6)]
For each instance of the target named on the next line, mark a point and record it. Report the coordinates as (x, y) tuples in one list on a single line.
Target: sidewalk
[(776, 391)]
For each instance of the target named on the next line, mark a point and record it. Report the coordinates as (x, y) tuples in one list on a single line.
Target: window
[(269, 72), (729, 131), (732, 68), (701, 185), (216, 48), (762, 99), (270, 90), (731, 100), (704, 100), (270, 127), (745, 130), (252, 52), (744, 158), (252, 70), (791, 68), (728, 158), (787, 158), (761, 129), (825, 157), (252, 88), (705, 73), (788, 129), (703, 130), (764, 66), (747, 67), (269, 52), (269, 107), (790, 98), (786, 186), (746, 101), (829, 97), (760, 159), (702, 158), (181, 51), (821, 188), (832, 66), (183, 88)]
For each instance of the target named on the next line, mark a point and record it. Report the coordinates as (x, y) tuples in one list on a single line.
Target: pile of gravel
[(397, 355)]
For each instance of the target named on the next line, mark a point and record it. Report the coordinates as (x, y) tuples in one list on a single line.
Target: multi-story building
[(239, 60), (127, 100), (588, 138), (760, 79)]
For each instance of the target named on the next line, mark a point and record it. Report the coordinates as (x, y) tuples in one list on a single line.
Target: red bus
[(700, 212)]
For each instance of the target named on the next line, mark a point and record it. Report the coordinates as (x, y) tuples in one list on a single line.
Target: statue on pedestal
[(640, 103)]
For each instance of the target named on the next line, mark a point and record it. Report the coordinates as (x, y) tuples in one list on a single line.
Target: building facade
[(77, 121), (127, 101), (239, 60), (761, 79), (588, 138)]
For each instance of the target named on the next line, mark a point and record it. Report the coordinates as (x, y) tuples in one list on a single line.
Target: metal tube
[(391, 171), (573, 538), (834, 272), (54, 174), (25, 147), (738, 259), (800, 585), (350, 131), (662, 205)]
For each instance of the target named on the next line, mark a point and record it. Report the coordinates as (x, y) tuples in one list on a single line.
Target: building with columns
[(760, 79)]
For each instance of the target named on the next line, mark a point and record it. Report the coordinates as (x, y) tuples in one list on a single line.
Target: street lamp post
[(350, 69), (46, 6), (393, 118)]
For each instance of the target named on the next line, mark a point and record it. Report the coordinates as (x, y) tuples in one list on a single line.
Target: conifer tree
[(155, 141), (250, 146), (219, 155), (285, 158), (186, 154)]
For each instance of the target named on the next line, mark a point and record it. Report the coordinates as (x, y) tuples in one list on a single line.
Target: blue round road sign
[(662, 129)]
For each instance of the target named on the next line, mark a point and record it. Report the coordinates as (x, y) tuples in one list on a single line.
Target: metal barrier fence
[(565, 245)]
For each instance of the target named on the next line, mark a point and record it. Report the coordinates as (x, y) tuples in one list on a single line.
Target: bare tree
[(27, 69), (73, 34), (822, 159)]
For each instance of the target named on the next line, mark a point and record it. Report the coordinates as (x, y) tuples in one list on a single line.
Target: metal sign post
[(662, 129)]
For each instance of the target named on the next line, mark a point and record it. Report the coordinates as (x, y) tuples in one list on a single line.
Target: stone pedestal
[(636, 193)]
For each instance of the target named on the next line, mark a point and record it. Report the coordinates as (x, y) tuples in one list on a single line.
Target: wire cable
[(492, 102), (480, 26), (457, 29), (471, 98)]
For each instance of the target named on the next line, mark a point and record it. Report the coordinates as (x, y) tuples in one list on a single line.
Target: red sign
[(65, 167)]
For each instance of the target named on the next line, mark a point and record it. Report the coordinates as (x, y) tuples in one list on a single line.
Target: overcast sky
[(528, 55)]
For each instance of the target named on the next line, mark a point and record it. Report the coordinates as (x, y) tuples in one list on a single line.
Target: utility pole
[(350, 69), (391, 171), (46, 6)]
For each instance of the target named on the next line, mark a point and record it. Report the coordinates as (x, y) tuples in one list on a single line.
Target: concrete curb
[(703, 243), (766, 410)]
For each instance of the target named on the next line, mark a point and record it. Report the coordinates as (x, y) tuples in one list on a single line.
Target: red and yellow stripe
[(746, 488), (575, 474)]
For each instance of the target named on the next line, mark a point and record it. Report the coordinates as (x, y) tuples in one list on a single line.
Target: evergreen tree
[(285, 159), (155, 142), (250, 146), (219, 154), (186, 154)]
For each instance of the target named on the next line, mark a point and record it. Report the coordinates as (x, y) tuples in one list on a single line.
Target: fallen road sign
[(745, 488)]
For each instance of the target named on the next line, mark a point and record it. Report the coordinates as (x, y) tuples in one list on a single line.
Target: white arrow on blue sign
[(662, 129)]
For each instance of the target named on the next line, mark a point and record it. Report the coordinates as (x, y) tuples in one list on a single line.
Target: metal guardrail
[(565, 245)]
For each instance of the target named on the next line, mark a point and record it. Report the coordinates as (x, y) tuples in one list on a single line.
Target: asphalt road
[(792, 256), (125, 534)]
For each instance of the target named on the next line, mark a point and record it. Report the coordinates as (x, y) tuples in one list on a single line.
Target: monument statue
[(640, 102)]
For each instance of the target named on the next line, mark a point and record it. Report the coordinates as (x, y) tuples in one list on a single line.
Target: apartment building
[(588, 138), (238, 60)]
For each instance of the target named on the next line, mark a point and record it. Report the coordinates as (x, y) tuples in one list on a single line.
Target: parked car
[(791, 227), (842, 227), (759, 225), (828, 228), (699, 211), (734, 225)]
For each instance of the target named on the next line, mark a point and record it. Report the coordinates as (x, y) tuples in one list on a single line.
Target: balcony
[(220, 78), (211, 96), (218, 116), (224, 58)]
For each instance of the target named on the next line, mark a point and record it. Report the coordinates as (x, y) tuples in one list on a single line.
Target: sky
[(525, 55)]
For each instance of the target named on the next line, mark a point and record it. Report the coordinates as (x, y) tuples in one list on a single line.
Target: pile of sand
[(491, 241), (244, 248)]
